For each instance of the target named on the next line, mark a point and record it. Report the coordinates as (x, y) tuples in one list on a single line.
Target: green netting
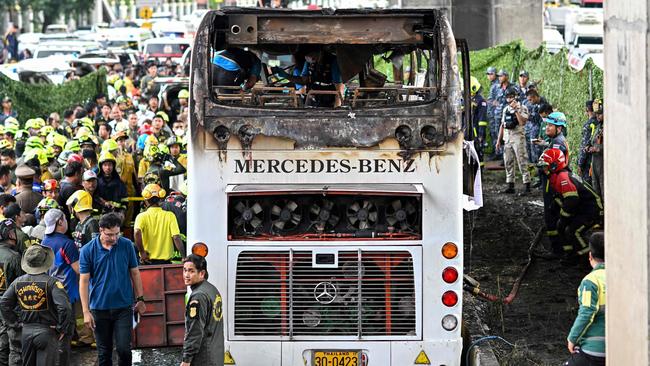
[(563, 87), (38, 100)]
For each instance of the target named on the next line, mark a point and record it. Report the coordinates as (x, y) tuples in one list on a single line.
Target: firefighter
[(203, 342), (479, 116), (46, 313), (9, 271), (235, 67), (596, 148), (555, 124), (320, 72), (581, 208)]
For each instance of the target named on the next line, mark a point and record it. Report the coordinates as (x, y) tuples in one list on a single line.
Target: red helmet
[(144, 129), (50, 185), (75, 157), (554, 159)]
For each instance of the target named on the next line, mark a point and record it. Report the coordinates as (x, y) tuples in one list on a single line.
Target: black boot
[(526, 189), (510, 189)]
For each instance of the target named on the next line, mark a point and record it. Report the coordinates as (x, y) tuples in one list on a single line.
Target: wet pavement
[(151, 356)]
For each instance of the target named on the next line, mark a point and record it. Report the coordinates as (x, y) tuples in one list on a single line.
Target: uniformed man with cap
[(500, 103), (203, 342), (46, 312), (26, 198), (9, 271), (491, 97)]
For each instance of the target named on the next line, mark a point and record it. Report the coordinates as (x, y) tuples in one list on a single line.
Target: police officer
[(491, 97), (533, 102), (203, 343), (524, 85), (596, 149), (9, 271), (235, 67), (500, 103), (479, 117), (46, 312), (588, 128), (511, 132)]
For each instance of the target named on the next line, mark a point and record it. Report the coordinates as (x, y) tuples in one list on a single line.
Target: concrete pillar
[(98, 12), (627, 162), (517, 19), (471, 20)]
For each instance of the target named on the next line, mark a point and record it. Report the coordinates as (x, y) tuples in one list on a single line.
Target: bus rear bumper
[(377, 353)]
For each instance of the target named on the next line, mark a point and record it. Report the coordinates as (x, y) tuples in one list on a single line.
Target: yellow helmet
[(87, 122), (82, 132), (32, 123), (80, 201), (45, 130), (106, 156), (58, 140), (5, 144), (11, 121), (37, 153), (153, 190), (474, 85), (183, 94), (109, 145)]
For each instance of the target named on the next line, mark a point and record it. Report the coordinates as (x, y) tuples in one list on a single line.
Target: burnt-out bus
[(328, 189)]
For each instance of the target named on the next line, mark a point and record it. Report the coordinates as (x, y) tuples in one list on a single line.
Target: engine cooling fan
[(322, 215), (362, 215)]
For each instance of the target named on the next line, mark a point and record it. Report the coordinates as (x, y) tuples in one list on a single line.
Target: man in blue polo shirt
[(65, 267), (108, 268)]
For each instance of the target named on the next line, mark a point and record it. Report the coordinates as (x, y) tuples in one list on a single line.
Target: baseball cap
[(51, 217), (6, 99), (491, 70), (523, 73), (502, 72), (89, 174)]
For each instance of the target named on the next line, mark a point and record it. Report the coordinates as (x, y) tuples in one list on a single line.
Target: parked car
[(165, 47)]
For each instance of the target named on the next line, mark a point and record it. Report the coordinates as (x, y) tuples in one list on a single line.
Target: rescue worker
[(596, 149), (10, 348), (511, 132), (37, 233), (175, 145), (125, 167), (45, 310), (81, 205), (156, 230), (235, 67), (110, 189), (524, 85), (320, 72), (586, 340), (584, 156), (581, 208), (203, 344), (479, 116), (162, 164)]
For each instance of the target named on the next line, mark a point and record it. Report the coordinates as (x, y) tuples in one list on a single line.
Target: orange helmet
[(552, 160)]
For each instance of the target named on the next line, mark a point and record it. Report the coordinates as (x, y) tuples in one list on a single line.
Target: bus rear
[(334, 234)]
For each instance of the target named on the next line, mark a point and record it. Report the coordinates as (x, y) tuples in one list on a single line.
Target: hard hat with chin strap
[(153, 190)]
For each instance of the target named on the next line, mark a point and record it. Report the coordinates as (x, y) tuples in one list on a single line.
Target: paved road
[(152, 356)]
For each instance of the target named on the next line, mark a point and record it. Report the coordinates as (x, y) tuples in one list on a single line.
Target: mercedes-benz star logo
[(325, 293)]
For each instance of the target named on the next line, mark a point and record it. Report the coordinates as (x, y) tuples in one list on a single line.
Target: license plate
[(336, 358)]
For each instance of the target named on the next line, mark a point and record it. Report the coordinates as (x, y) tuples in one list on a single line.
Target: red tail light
[(450, 275), (449, 298)]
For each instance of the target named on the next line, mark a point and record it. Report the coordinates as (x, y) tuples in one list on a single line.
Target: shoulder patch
[(217, 312), (60, 285), (193, 302)]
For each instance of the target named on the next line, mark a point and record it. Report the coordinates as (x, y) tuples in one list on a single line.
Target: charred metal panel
[(340, 30), (431, 124)]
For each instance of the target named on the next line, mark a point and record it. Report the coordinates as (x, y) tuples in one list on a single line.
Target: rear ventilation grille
[(279, 293)]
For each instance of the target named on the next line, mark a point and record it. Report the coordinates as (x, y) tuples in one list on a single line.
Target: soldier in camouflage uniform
[(511, 132), (9, 271), (203, 342)]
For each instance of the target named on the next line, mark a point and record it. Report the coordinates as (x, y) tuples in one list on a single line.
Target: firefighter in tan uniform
[(45, 310), (203, 343)]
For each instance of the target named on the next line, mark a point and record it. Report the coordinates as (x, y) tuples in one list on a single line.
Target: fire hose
[(473, 286)]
